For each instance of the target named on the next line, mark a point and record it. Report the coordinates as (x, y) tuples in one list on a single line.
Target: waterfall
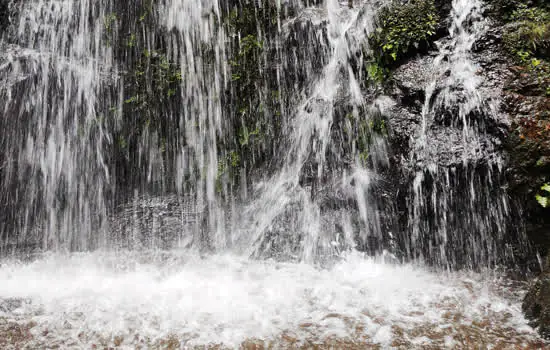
[(459, 212), (126, 109), (72, 72), (54, 73), (286, 199), (234, 174)]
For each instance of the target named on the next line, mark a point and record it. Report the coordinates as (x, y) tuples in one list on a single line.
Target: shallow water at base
[(173, 299)]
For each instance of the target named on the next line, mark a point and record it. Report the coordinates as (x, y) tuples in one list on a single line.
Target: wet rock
[(536, 305), (158, 222), (435, 103), (444, 134), (411, 80), (10, 304), (15, 335), (527, 143), (5, 13)]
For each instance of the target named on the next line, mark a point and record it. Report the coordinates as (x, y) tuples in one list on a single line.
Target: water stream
[(469, 205), (124, 229)]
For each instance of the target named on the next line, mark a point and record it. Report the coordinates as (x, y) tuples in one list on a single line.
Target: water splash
[(87, 299), (459, 210), (196, 163), (57, 162)]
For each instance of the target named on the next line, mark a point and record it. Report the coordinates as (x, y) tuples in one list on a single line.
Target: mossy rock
[(405, 29), (536, 305), (502, 10), (528, 36)]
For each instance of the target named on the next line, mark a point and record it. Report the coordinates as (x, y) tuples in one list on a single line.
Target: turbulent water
[(142, 241), (166, 298)]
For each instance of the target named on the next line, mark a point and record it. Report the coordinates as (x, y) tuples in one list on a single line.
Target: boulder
[(536, 305)]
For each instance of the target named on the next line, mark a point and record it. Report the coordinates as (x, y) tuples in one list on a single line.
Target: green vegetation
[(228, 167), (110, 22), (153, 80), (376, 72), (503, 10), (252, 102), (544, 200), (402, 30), (152, 88), (360, 133), (529, 36), (526, 37)]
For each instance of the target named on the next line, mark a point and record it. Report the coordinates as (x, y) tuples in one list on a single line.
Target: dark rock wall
[(264, 45)]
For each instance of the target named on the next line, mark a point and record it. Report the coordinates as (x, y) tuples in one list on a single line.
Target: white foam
[(227, 299)]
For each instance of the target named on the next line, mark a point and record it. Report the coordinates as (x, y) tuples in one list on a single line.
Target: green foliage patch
[(527, 38), (251, 101), (360, 132), (544, 200), (153, 81), (529, 35), (403, 28)]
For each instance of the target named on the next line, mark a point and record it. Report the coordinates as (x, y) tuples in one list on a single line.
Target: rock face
[(521, 72), (536, 305), (434, 184), (448, 141), (157, 223), (499, 159)]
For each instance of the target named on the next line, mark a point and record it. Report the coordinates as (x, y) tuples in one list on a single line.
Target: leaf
[(545, 187), (542, 201), (131, 99)]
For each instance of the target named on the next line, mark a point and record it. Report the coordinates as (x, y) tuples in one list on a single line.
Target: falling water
[(459, 212), (55, 172), (284, 199), (119, 125), (65, 96)]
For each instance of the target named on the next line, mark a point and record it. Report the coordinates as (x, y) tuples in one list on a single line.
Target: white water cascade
[(448, 177), (133, 216)]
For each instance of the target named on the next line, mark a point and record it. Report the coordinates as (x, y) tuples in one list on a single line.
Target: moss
[(228, 169), (376, 73), (152, 86), (529, 35), (403, 29), (526, 37), (503, 10), (360, 133), (251, 102), (153, 81)]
